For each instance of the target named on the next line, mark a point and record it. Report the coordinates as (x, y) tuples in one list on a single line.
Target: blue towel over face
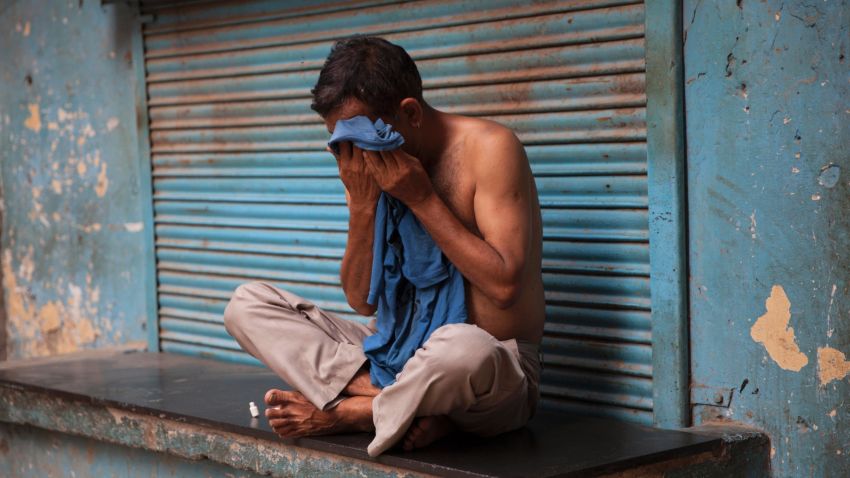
[(360, 130), (414, 286)]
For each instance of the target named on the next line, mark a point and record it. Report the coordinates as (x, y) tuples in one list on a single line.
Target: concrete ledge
[(185, 440), (743, 453), (195, 409)]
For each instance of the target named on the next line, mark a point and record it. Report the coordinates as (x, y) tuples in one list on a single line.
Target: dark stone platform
[(214, 394)]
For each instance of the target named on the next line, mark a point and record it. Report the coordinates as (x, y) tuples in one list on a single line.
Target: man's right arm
[(356, 271), (361, 196)]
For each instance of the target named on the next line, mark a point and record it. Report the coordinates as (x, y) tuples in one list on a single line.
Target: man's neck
[(435, 136)]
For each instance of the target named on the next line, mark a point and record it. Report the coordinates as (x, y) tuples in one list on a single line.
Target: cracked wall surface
[(767, 91), (72, 232)]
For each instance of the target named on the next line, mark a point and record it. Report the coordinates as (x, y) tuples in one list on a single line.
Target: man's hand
[(360, 186), (399, 174)]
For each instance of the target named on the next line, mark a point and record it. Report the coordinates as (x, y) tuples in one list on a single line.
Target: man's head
[(373, 77)]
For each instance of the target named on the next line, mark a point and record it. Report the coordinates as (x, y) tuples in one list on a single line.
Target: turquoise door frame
[(145, 180), (667, 219)]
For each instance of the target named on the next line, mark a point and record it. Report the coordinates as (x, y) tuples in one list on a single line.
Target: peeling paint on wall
[(829, 175), (787, 159), (134, 226), (832, 365), (102, 182), (52, 328), (33, 122), (772, 331), (72, 268), (23, 28)]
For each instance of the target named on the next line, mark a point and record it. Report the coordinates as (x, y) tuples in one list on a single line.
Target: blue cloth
[(415, 287), (360, 130)]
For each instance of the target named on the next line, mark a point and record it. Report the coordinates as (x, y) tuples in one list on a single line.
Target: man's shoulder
[(483, 130), (487, 141)]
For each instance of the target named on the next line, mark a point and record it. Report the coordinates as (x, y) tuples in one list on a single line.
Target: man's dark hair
[(370, 69)]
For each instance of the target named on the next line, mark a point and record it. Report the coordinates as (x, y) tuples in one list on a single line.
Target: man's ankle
[(356, 412)]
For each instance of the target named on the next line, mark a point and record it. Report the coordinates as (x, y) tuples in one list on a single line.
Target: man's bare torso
[(454, 181)]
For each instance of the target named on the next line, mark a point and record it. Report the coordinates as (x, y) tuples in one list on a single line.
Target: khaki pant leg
[(315, 352), (461, 371)]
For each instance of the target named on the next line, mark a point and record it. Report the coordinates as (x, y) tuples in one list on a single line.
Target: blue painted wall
[(73, 232), (767, 93)]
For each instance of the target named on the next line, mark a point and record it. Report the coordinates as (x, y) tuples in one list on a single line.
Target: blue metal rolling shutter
[(244, 191)]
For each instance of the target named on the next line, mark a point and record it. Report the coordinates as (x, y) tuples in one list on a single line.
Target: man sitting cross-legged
[(468, 182)]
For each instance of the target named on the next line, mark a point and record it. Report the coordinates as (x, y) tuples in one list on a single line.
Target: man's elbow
[(357, 299), (362, 308), (509, 287), (506, 295)]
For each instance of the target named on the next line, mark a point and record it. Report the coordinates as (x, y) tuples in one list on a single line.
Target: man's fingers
[(345, 151), (356, 154), (374, 163), (390, 159)]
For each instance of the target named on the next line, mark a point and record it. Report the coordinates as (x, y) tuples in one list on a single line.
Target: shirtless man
[(469, 183)]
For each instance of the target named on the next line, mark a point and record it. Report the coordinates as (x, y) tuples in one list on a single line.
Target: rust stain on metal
[(629, 84)]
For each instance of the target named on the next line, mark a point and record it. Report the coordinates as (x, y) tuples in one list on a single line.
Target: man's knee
[(462, 350), (237, 310)]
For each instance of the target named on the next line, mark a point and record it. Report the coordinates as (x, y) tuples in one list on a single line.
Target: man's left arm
[(494, 263)]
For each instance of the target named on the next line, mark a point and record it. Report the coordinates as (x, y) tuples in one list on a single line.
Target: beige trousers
[(485, 386)]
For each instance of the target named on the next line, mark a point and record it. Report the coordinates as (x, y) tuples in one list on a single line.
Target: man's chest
[(454, 183)]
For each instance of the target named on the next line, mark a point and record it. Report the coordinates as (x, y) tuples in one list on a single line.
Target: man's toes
[(424, 425), (410, 442), (412, 435), (282, 397), (419, 430), (274, 396), (429, 430)]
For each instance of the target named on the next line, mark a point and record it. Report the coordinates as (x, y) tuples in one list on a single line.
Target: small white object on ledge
[(255, 412)]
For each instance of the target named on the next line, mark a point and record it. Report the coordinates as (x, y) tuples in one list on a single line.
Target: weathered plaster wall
[(72, 233), (768, 143)]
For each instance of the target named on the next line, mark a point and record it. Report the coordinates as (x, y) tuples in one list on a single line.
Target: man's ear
[(411, 109)]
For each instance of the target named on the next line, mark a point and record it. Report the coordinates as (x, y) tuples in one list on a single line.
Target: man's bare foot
[(291, 415), (361, 385), (427, 430)]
